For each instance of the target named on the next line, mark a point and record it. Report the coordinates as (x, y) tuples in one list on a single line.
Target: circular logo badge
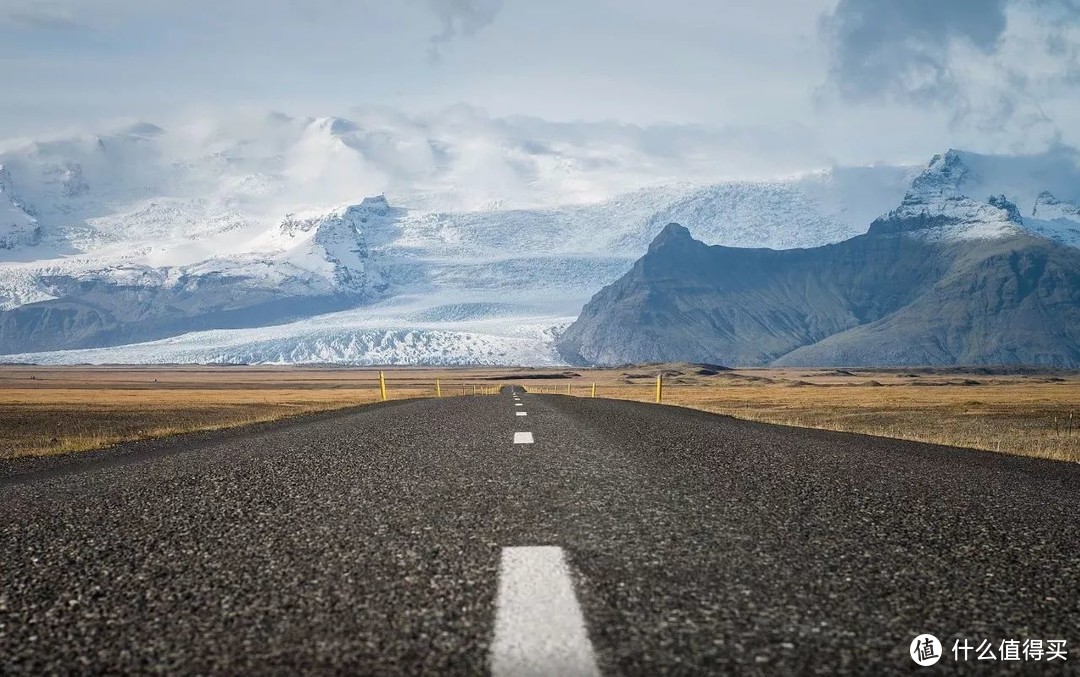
[(925, 650)]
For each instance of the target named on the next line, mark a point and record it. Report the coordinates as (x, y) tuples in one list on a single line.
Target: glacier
[(339, 241)]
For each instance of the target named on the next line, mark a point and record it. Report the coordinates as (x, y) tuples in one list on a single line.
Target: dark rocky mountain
[(942, 280)]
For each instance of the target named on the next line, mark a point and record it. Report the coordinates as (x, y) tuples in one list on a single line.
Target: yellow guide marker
[(594, 390), (438, 388), (382, 386), (659, 388)]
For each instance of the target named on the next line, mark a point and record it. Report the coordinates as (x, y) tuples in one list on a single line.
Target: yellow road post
[(438, 388), (382, 386), (594, 390), (659, 388)]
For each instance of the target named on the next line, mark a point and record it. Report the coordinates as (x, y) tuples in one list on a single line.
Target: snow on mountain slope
[(798, 211), (794, 212), (1057, 219), (487, 222), (17, 227), (966, 196), (261, 166), (1020, 178)]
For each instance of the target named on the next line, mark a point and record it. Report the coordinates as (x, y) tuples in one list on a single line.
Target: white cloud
[(881, 81)]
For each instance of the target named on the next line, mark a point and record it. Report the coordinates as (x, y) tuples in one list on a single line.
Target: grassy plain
[(1029, 413), (55, 410), (49, 410)]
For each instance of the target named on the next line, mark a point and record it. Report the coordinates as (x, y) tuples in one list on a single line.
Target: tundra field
[(51, 410)]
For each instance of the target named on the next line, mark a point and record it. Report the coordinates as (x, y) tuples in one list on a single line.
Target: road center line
[(518, 404), (539, 629), (523, 438), (521, 413)]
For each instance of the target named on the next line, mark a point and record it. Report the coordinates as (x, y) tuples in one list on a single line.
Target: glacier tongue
[(501, 342)]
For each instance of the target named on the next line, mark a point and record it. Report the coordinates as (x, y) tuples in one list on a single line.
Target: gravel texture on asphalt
[(369, 542)]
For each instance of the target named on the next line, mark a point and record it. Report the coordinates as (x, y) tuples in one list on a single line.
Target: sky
[(845, 81)]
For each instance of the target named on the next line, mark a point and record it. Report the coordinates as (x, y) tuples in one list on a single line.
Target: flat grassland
[(1014, 411), (48, 410), (52, 410)]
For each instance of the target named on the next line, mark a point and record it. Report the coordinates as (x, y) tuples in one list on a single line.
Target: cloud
[(456, 19), (1001, 69), (903, 47), (459, 18)]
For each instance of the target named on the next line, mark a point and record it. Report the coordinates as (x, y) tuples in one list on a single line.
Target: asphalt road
[(373, 542)]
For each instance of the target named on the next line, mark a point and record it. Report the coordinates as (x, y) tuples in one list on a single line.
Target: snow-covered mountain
[(946, 278), (381, 241), (969, 196)]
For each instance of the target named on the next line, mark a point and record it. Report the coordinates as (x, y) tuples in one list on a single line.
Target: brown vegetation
[(1027, 413), (55, 410)]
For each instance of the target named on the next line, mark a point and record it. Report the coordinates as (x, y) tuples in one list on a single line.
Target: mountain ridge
[(219, 243), (916, 289)]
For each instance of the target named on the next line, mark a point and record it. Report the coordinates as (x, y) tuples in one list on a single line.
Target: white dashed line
[(523, 438), (539, 629), (518, 404), (521, 413)]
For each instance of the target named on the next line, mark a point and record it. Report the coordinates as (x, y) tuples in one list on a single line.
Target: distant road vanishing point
[(562, 536)]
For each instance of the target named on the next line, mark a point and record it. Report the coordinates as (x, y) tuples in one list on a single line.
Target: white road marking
[(539, 629), (523, 438), (518, 404), (521, 413)]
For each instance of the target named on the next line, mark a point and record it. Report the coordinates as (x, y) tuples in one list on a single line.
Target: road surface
[(459, 536)]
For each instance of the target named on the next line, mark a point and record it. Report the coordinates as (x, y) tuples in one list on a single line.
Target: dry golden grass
[(56, 410), (1026, 414), (51, 411)]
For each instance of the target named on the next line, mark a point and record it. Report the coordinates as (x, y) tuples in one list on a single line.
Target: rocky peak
[(937, 206), (335, 226), (376, 205), (1050, 208), (1011, 211), (945, 174), (673, 235)]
